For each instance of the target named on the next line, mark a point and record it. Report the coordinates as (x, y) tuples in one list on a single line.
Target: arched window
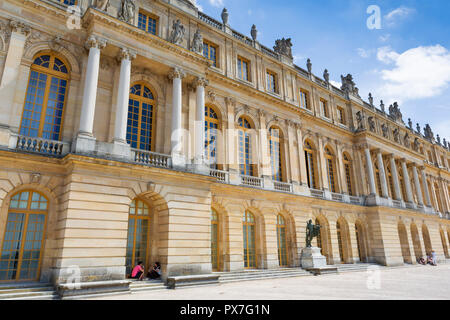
[(214, 240), (21, 253), (282, 242), (348, 174), (138, 234), (141, 118), (45, 98), (245, 148), (310, 165), (340, 245), (249, 229), (211, 129), (331, 172), (276, 154)]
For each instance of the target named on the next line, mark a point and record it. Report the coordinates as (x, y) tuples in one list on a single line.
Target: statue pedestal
[(313, 261)]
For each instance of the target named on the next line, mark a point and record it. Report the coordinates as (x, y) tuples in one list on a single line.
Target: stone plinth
[(312, 258)]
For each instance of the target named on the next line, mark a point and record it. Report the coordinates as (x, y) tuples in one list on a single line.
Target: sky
[(402, 54)]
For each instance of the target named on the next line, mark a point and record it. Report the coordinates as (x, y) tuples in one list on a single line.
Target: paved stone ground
[(411, 283)]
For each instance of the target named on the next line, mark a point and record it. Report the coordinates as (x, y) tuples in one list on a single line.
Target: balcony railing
[(252, 181), (337, 197), (282, 186), (317, 193), (355, 200), (151, 158), (211, 21), (42, 146), (222, 176), (397, 203)]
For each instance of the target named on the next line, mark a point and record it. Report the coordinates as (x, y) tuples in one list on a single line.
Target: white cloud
[(216, 3), (385, 38), (298, 58), (417, 73), (194, 2), (363, 53), (336, 84), (398, 14)]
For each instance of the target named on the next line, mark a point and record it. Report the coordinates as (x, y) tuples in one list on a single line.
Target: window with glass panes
[(271, 82), (245, 147), (249, 229), (214, 240), (69, 2), (138, 235), (330, 169), (378, 179), (401, 182), (282, 241), (45, 98), (243, 69), (210, 52), (319, 237), (310, 165), (324, 107), (339, 236), (304, 103), (147, 23), (341, 115), (390, 181), (21, 252), (348, 174), (275, 154), (211, 128), (141, 118)]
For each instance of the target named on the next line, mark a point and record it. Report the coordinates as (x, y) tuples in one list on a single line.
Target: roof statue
[(394, 112), (348, 85), (284, 47)]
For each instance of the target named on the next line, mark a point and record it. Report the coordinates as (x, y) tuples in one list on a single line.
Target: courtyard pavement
[(409, 283)]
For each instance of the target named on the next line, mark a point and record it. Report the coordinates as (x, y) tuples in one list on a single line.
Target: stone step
[(260, 273), (28, 295), (264, 277), (137, 286), (28, 290)]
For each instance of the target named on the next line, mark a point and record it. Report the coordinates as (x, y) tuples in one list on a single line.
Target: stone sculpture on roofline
[(348, 85)]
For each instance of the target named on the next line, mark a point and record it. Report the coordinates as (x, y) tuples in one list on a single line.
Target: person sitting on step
[(138, 271), (155, 273)]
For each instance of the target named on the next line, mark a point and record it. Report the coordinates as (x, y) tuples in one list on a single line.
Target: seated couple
[(138, 271)]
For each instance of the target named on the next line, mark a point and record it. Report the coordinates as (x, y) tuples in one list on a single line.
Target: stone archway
[(361, 241), (324, 239), (426, 240), (444, 243), (416, 241), (404, 244)]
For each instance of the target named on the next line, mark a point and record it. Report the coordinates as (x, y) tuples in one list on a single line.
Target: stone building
[(146, 130)]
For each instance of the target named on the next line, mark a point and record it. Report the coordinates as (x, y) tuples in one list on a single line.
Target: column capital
[(421, 168), (391, 156), (20, 27), (176, 73), (230, 101), (262, 113), (126, 53), (200, 82), (95, 42), (377, 150)]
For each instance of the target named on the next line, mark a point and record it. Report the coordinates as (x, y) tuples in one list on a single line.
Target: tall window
[(211, 128), (438, 198), (21, 253), (249, 240), (320, 237), (304, 103), (341, 115), (210, 52), (69, 2), (271, 81), (324, 108), (138, 234), (141, 118), (339, 236), (45, 98), (282, 242), (348, 174), (243, 69), (378, 178), (147, 22), (275, 154), (214, 240), (390, 180), (245, 148), (331, 173), (402, 183), (359, 242), (310, 165)]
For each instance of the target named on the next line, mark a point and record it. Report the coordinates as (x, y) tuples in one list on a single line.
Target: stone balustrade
[(252, 181), (221, 176), (42, 146), (151, 158), (282, 186)]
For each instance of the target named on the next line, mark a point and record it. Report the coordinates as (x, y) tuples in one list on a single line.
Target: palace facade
[(146, 130)]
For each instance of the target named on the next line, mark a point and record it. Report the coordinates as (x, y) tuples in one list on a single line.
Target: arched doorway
[(138, 235), (360, 241), (403, 236), (323, 240), (215, 261), (444, 243), (340, 242), (23, 240), (249, 233), (426, 239), (416, 241), (343, 236), (282, 241)]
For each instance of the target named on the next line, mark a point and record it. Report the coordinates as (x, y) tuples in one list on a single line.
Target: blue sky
[(407, 60)]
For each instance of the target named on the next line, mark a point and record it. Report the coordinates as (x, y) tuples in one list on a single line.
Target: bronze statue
[(312, 231)]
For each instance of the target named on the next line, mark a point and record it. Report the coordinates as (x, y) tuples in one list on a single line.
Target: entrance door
[(21, 253), (138, 235), (249, 241)]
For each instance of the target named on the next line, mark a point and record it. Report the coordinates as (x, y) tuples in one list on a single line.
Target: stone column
[(123, 93), (425, 187), (397, 191), (178, 160), (340, 170), (8, 84), (384, 187), (409, 195), (266, 169), (200, 84), (85, 140), (291, 152), (417, 184), (372, 186), (302, 160), (322, 164)]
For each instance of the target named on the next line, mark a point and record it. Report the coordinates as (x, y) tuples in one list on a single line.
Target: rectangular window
[(324, 107), (341, 115), (210, 52), (243, 69), (147, 22), (271, 82), (69, 2), (304, 103)]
